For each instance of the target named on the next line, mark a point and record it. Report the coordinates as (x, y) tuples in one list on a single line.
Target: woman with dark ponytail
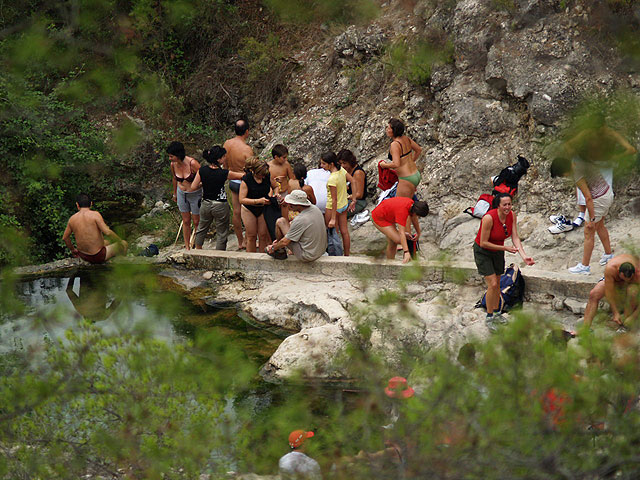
[(214, 207)]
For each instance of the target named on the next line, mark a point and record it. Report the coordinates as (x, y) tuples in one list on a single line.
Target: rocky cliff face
[(514, 76)]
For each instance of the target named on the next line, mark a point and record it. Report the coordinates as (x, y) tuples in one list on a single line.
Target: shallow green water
[(267, 411), (85, 295)]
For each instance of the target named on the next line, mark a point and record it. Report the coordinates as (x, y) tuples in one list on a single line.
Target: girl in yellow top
[(336, 212)]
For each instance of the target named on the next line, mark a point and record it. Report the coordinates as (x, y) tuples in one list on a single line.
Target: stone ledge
[(553, 284)]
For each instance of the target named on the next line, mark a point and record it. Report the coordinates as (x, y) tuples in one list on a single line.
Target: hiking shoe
[(581, 269), (622, 329), (558, 218), (491, 325), (500, 318), (578, 221), (605, 258), (561, 227)]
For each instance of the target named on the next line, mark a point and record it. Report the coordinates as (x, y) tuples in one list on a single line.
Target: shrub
[(414, 61)]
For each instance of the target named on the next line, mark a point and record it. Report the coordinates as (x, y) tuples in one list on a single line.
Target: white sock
[(581, 215)]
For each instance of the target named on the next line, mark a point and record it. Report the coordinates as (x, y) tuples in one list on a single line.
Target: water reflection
[(92, 302)]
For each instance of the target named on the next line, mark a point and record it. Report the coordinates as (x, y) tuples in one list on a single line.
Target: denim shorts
[(189, 202)]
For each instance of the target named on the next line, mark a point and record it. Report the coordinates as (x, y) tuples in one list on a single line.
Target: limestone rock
[(310, 352), (207, 275), (558, 303), (285, 304), (575, 306), (360, 43), (556, 71), (473, 30)]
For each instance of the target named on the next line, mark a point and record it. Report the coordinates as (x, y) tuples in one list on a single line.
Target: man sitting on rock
[(621, 287), (88, 228), (306, 236)]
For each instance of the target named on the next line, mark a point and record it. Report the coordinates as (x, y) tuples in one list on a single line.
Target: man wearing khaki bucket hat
[(306, 236)]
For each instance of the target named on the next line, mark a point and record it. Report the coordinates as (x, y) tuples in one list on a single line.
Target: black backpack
[(507, 180), (511, 290)]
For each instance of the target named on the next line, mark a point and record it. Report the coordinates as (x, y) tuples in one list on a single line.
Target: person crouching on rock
[(296, 465), (496, 226), (306, 235), (88, 227), (395, 211)]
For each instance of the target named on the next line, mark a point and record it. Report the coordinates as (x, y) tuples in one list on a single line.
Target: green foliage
[(506, 5), (594, 128), (335, 11), (262, 59), (415, 61)]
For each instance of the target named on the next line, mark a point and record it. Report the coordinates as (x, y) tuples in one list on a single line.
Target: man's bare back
[(617, 290), (612, 270), (237, 153), (89, 229)]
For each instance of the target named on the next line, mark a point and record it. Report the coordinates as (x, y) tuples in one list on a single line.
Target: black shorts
[(488, 262)]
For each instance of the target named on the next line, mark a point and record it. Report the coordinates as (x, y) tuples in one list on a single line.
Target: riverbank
[(322, 303)]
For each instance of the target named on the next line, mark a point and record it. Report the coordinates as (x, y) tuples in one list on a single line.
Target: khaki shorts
[(601, 205)]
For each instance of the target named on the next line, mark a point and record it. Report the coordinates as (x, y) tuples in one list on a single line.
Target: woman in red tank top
[(488, 250)]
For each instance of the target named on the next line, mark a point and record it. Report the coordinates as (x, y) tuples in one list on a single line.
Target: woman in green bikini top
[(403, 153)]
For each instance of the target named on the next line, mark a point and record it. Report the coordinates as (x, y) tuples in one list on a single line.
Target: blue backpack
[(511, 290)]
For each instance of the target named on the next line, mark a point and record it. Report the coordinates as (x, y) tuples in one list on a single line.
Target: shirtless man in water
[(620, 286), (237, 153), (88, 228)]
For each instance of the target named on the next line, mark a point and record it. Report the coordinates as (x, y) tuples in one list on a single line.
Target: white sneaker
[(578, 221), (605, 258), (561, 228), (558, 218), (581, 269)]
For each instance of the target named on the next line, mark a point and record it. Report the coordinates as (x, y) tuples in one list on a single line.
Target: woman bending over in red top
[(390, 217)]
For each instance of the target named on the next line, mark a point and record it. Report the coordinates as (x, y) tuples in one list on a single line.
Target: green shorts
[(488, 262)]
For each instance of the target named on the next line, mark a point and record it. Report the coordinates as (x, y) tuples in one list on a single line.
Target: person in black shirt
[(356, 190), (214, 207)]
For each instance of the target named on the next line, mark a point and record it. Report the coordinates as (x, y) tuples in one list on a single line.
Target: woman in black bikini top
[(254, 195), (188, 201)]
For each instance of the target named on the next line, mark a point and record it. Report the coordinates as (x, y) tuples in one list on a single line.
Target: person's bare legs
[(603, 234), (282, 227), (589, 239), (393, 239), (493, 292), (344, 232), (196, 222), (116, 248), (263, 234), (251, 227), (186, 228), (237, 219), (595, 295)]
